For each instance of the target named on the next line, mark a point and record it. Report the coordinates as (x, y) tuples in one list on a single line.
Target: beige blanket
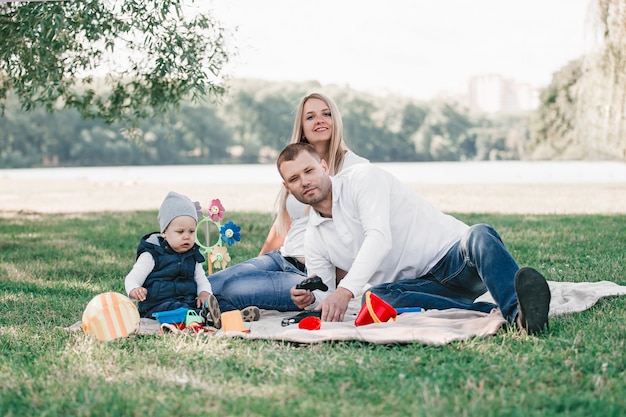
[(433, 327)]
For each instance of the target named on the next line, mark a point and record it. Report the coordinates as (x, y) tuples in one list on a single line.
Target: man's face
[(306, 178)]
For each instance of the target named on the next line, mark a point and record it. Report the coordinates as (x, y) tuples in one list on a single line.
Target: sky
[(417, 48)]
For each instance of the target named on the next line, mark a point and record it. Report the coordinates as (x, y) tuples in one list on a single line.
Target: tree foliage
[(602, 102), (251, 124), (583, 111), (553, 126), (156, 53)]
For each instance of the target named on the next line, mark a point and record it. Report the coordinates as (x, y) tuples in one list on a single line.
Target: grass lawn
[(52, 265)]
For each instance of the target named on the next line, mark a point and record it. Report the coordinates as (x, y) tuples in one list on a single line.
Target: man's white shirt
[(381, 231)]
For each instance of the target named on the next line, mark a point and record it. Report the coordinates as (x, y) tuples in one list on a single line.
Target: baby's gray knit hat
[(175, 205)]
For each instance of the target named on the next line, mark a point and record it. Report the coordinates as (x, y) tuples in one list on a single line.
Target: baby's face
[(181, 233)]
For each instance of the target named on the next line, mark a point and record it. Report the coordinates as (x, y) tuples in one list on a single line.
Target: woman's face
[(317, 122)]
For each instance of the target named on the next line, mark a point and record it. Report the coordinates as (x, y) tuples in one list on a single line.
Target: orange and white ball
[(109, 316)]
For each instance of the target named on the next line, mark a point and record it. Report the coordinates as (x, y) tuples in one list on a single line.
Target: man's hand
[(301, 298), (334, 307)]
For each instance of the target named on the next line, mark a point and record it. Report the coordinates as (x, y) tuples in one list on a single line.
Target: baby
[(168, 272)]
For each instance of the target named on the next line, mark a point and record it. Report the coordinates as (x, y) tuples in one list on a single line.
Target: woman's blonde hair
[(336, 152)]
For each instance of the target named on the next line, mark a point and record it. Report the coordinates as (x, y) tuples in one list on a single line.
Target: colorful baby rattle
[(217, 254)]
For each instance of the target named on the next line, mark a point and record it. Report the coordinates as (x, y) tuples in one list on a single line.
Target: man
[(409, 253)]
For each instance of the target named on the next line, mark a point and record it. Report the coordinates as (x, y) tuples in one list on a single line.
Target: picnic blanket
[(432, 327)]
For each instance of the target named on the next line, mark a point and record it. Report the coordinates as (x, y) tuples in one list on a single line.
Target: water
[(495, 172)]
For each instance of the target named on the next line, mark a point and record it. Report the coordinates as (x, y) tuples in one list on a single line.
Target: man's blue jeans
[(263, 281), (477, 262)]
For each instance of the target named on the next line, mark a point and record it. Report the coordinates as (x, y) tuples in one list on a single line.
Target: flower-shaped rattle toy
[(229, 233)]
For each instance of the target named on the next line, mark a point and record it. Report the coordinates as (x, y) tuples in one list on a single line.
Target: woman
[(265, 281)]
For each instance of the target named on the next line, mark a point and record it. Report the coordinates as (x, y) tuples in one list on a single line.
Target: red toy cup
[(374, 310), (310, 323)]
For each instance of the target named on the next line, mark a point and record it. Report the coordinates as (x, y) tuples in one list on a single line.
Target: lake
[(483, 172)]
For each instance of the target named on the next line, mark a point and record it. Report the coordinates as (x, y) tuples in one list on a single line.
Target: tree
[(367, 132), (553, 126), (601, 107), (440, 133), (583, 111), (412, 118), (159, 52)]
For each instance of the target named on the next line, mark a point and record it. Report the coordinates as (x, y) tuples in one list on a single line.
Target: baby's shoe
[(211, 312)]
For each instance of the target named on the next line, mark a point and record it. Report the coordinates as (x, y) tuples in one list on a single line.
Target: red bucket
[(310, 323), (375, 310)]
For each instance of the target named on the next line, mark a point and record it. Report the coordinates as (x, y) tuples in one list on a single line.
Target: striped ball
[(109, 316)]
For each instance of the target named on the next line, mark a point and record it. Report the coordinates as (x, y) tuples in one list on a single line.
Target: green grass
[(52, 265)]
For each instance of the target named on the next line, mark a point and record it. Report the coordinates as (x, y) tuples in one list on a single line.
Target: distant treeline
[(252, 122)]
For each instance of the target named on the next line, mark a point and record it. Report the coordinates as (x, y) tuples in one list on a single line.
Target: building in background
[(492, 93)]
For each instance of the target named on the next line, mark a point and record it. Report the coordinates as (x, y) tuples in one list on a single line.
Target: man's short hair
[(291, 152)]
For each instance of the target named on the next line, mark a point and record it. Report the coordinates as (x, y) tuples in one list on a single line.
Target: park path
[(532, 187), (80, 196)]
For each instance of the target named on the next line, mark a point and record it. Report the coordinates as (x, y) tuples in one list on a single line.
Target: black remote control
[(298, 317), (313, 283)]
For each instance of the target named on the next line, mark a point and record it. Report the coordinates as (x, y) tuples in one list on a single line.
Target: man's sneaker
[(251, 313), (533, 300), (211, 312)]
